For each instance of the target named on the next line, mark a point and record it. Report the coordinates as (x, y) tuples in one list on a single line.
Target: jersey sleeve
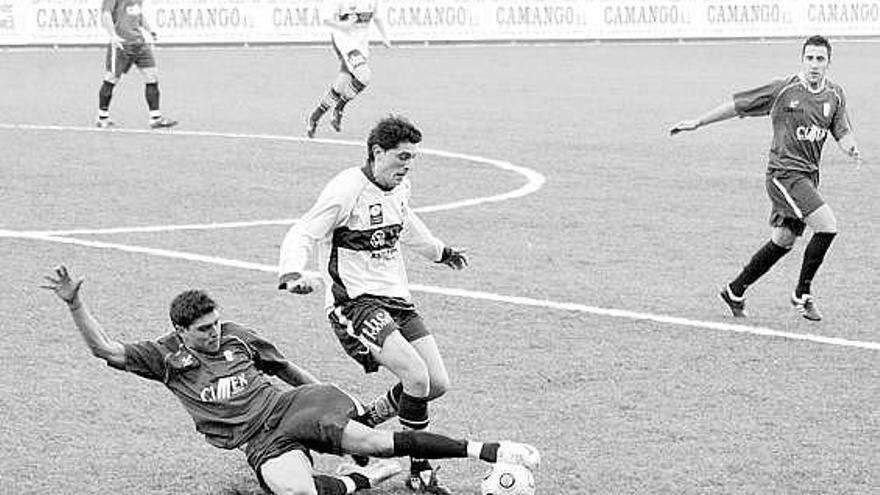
[(758, 101), (267, 357), (840, 123), (329, 211), (416, 234), (146, 359)]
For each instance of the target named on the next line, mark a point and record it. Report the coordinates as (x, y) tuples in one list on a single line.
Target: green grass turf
[(629, 219)]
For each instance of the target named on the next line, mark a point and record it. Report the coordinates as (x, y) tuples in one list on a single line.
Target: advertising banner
[(60, 22)]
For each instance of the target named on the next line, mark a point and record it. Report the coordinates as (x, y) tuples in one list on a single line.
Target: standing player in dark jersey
[(125, 23), (349, 22), (217, 370), (804, 109)]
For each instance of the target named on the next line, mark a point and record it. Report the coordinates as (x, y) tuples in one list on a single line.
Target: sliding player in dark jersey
[(218, 371), (804, 109), (124, 21)]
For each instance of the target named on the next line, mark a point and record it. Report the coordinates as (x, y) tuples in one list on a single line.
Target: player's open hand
[(66, 288), (300, 284), (684, 125), (454, 258)]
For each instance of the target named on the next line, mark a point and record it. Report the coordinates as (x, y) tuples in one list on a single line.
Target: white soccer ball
[(508, 479)]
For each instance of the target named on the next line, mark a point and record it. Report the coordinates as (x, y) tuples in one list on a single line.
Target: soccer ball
[(508, 479)]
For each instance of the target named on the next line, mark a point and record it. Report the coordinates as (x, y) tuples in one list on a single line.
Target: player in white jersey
[(358, 226), (349, 22)]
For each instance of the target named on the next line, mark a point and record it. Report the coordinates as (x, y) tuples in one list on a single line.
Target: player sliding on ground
[(217, 370), (804, 109)]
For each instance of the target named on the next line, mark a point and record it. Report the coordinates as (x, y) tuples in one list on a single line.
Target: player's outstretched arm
[(380, 26), (68, 290), (721, 112)]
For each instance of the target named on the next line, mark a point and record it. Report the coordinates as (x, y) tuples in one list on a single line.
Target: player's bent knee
[(439, 387), (289, 474), (362, 76), (111, 78)]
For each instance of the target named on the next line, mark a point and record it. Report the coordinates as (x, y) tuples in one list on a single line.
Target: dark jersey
[(128, 18), (227, 394), (801, 119)]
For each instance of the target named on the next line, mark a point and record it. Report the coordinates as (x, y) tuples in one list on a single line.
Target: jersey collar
[(822, 84)]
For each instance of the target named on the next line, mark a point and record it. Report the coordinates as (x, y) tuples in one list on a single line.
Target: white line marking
[(485, 296), (534, 180)]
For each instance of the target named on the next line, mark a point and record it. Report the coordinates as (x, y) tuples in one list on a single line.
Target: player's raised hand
[(684, 125), (66, 288), (454, 258)]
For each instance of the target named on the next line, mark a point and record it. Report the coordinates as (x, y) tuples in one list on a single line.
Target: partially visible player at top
[(124, 21), (349, 22), (804, 108)]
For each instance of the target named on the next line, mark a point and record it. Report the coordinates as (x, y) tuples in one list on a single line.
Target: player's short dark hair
[(817, 40), (189, 306), (390, 132)]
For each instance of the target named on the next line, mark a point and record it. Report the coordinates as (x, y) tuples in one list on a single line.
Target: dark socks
[(814, 254), (413, 412), (105, 94), (151, 92), (330, 485), (426, 445), (760, 263)]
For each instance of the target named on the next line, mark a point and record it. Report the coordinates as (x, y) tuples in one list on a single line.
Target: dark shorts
[(793, 197), (363, 324), (310, 417), (120, 61)]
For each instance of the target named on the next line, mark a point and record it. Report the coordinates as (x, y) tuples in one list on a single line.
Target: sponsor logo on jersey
[(373, 325), (133, 10), (793, 104), (225, 389), (377, 240), (229, 355), (826, 109), (376, 214), (812, 133)]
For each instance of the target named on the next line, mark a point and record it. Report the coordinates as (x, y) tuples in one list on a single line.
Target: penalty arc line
[(534, 180), (470, 294)]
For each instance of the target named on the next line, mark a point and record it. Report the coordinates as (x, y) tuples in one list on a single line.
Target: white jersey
[(358, 231), (358, 15)]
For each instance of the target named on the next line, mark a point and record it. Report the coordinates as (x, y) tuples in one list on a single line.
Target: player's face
[(203, 335), (391, 166), (815, 63)]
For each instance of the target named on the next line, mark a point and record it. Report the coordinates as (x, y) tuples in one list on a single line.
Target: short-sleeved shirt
[(128, 18), (802, 118), (227, 394)]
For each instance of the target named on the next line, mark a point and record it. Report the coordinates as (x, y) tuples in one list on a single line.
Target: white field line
[(534, 180), (484, 296)]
